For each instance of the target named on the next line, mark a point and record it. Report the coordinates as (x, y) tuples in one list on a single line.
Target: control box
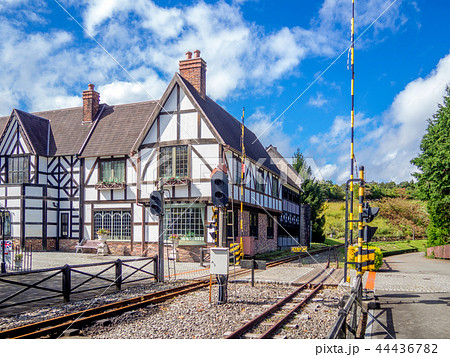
[(220, 261)]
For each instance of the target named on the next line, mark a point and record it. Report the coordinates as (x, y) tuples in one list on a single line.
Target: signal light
[(219, 189), (369, 213), (156, 203)]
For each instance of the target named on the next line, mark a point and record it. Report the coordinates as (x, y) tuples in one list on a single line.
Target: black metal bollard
[(118, 274), (155, 267), (66, 283), (253, 272)]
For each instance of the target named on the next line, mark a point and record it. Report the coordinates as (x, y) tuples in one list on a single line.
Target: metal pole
[(352, 154), (3, 265), (253, 272), (360, 223), (161, 238), (222, 241)]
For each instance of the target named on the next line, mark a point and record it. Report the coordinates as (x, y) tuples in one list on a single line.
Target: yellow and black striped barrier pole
[(360, 223), (238, 252), (352, 152)]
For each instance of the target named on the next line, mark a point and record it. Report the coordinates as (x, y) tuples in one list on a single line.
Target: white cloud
[(317, 101), (260, 123), (386, 145)]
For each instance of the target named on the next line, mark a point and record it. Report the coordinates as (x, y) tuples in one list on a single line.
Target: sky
[(286, 62)]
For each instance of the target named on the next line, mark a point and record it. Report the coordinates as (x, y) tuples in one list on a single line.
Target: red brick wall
[(67, 245), (194, 71)]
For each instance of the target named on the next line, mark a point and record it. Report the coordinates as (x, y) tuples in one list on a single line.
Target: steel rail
[(84, 317), (251, 324), (80, 318)]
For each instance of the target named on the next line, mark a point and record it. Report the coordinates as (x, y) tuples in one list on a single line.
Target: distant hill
[(399, 218)]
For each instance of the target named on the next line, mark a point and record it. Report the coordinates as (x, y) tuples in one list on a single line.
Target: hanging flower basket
[(103, 234), (110, 186)]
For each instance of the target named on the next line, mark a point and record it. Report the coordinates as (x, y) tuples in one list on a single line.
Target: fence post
[(66, 284), (118, 274), (155, 267)]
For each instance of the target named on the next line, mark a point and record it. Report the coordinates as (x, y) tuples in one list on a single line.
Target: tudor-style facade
[(66, 173)]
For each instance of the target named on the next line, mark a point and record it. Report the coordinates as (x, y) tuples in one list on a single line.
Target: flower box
[(175, 181), (110, 186)]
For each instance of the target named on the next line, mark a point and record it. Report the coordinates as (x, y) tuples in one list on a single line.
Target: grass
[(420, 245), (398, 218)]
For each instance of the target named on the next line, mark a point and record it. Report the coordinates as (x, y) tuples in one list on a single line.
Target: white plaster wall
[(33, 230), (171, 103), (185, 103), (188, 126), (89, 163), (206, 133), (33, 203), (168, 125)]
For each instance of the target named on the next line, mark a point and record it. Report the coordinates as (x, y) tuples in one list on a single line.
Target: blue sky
[(260, 54)]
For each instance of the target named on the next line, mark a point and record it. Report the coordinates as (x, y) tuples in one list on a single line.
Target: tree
[(300, 165), (434, 176), (312, 193)]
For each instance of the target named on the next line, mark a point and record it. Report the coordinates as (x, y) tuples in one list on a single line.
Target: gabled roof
[(37, 131), (287, 171), (113, 132), (117, 129), (226, 128)]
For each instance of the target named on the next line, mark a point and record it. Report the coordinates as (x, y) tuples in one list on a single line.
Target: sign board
[(300, 249), (220, 261), (8, 249)]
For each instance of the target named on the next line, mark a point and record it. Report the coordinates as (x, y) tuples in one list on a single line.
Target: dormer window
[(18, 169)]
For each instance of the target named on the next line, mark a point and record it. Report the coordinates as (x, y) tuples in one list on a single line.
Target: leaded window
[(274, 187), (185, 222), (112, 171), (260, 181), (117, 222), (254, 224), (174, 161), (18, 169), (237, 169), (269, 227)]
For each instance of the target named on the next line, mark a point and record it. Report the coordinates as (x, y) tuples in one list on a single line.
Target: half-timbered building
[(66, 173)]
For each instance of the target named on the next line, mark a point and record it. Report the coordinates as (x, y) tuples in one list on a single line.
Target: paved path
[(413, 295)]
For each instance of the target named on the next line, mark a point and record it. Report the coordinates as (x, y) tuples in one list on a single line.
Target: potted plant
[(175, 240), (103, 234), (18, 261)]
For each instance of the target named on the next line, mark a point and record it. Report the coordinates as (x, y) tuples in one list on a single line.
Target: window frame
[(174, 162), (112, 160), (25, 158), (125, 213), (254, 228), (260, 184), (64, 224), (270, 227), (275, 188), (180, 227)]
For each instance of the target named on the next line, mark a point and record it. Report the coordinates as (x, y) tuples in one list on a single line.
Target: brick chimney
[(91, 100), (194, 71)]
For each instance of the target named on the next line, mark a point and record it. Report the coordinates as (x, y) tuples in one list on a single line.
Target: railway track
[(54, 327), (279, 314)]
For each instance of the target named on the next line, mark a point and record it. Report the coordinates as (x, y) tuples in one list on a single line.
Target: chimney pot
[(188, 55), (91, 86), (196, 54)]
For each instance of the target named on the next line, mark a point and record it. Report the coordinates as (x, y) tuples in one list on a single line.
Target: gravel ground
[(63, 309), (192, 316)]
